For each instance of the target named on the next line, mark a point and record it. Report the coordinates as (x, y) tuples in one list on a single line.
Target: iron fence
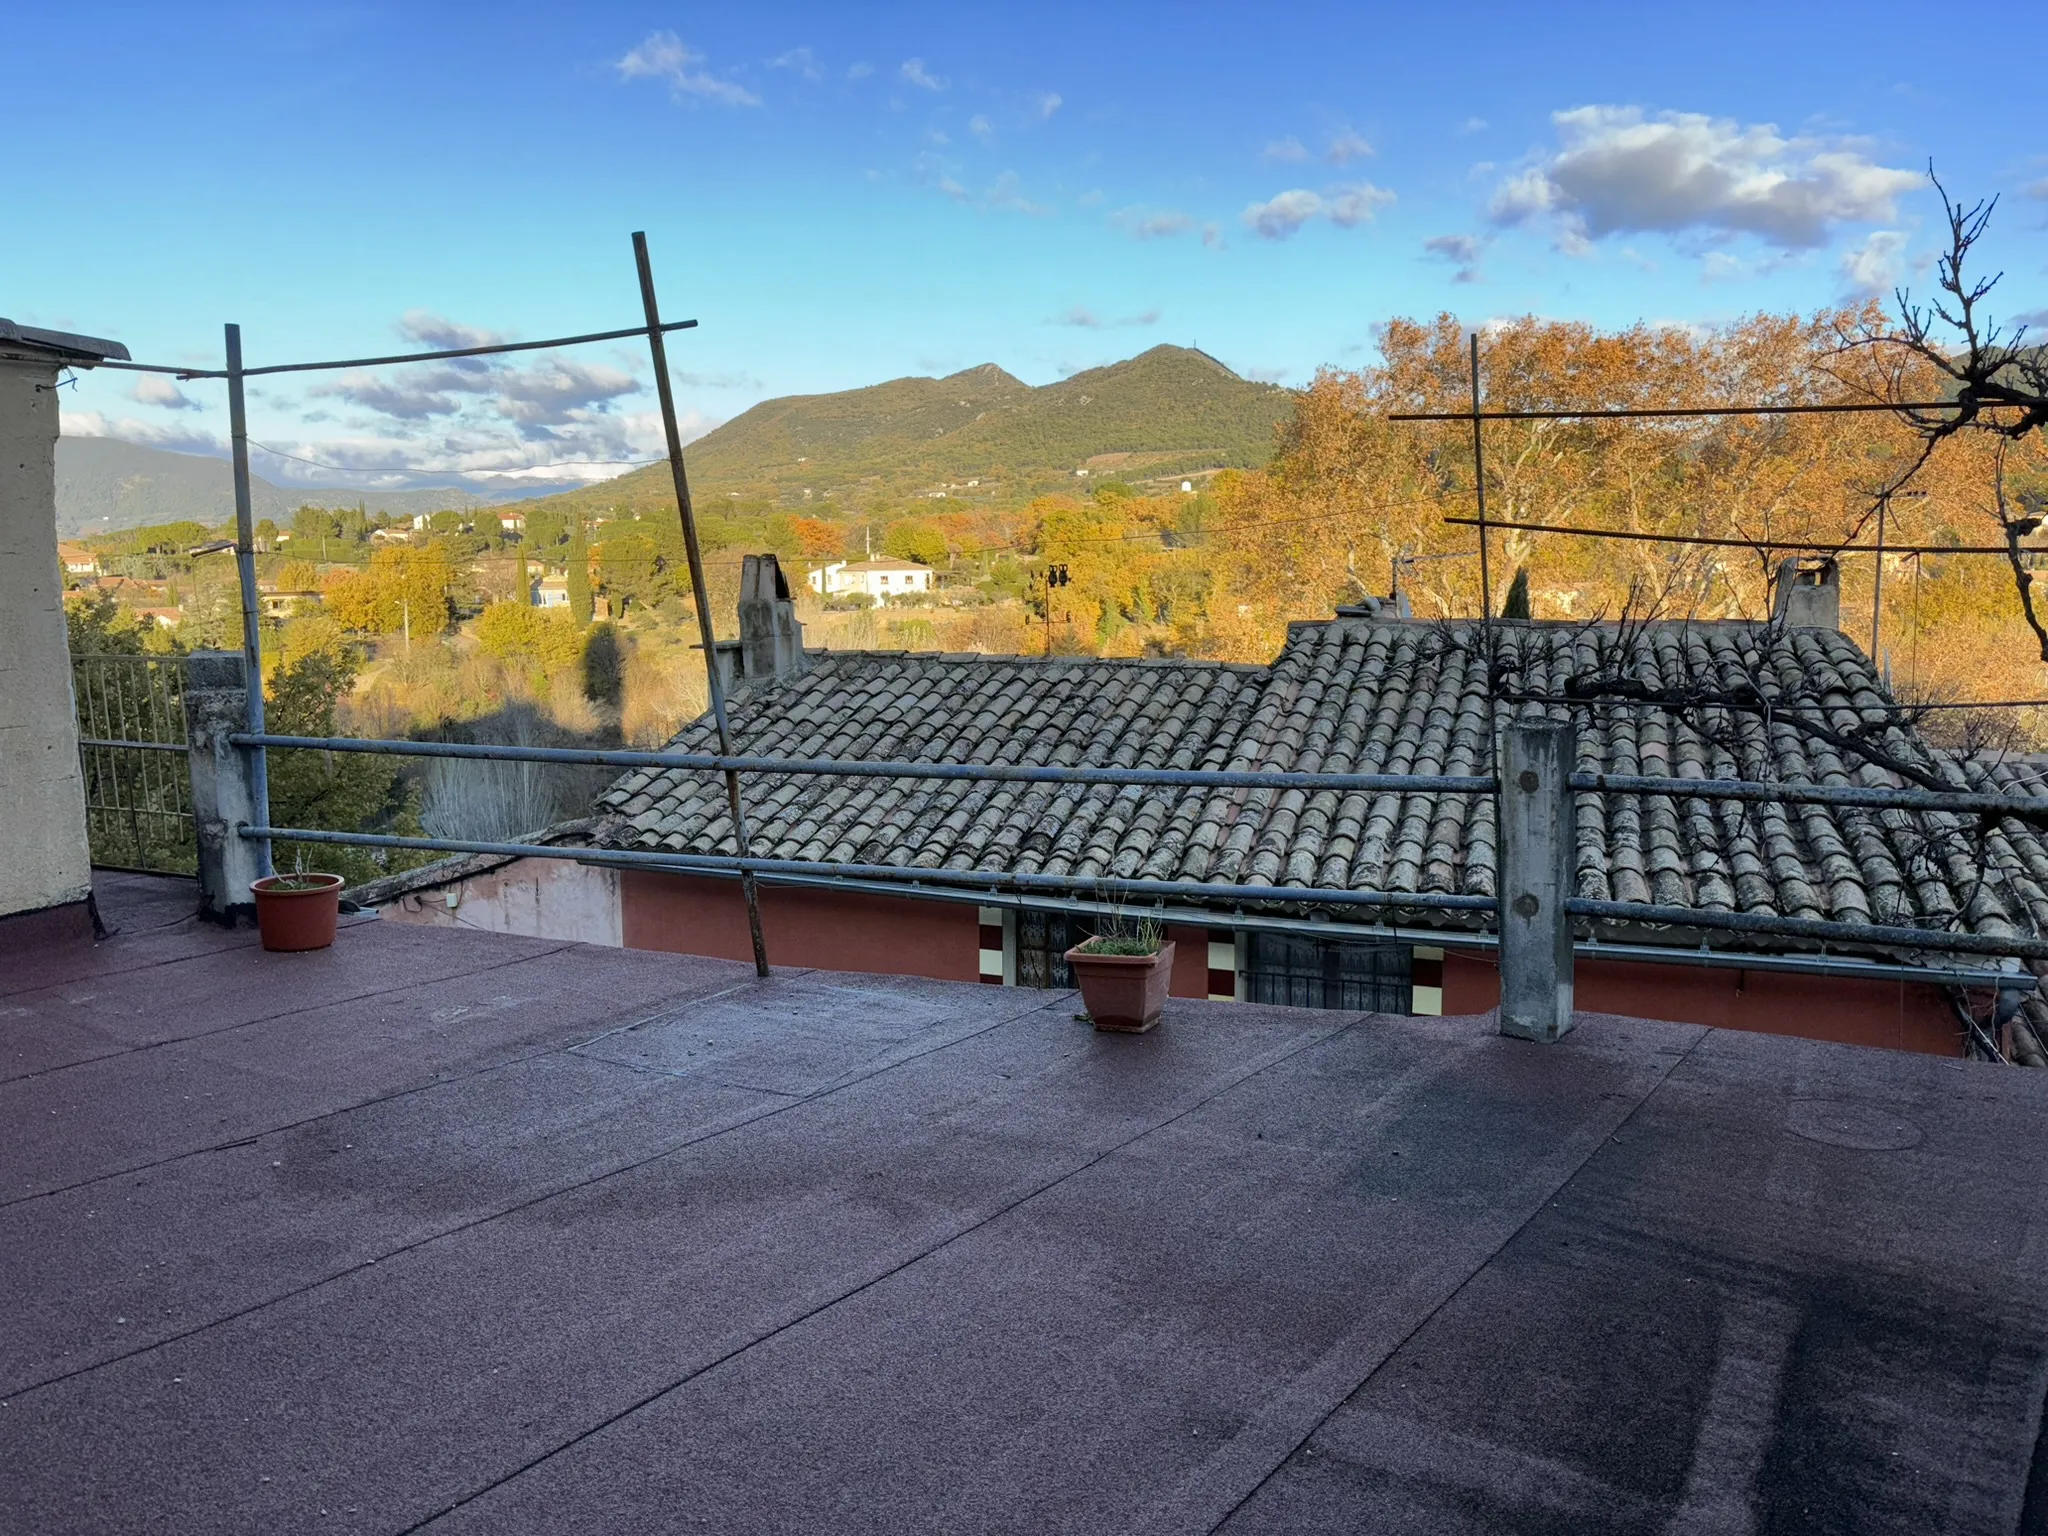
[(131, 753)]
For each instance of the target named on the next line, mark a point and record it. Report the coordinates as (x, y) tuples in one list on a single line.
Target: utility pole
[(1055, 576)]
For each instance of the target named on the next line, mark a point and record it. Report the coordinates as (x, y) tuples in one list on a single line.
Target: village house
[(1367, 691), (879, 579), (550, 590), (78, 560)]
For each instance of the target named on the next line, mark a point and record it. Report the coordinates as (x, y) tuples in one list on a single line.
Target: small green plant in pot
[(297, 911), (1123, 973)]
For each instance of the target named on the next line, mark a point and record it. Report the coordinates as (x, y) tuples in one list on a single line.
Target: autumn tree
[(912, 538)]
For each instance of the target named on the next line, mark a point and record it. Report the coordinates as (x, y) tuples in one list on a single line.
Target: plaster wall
[(538, 898), (42, 798)]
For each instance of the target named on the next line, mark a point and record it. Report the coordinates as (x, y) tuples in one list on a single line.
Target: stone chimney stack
[(771, 639), (1809, 593), (45, 867)]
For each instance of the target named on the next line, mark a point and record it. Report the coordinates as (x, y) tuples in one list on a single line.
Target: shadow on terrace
[(473, 1232)]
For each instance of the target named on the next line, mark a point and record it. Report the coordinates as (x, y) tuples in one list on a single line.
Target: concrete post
[(1536, 877), (223, 784), (45, 864)]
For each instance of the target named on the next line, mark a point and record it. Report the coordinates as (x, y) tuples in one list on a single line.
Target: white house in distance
[(879, 579)]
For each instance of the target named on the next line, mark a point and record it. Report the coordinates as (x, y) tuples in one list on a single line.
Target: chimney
[(1809, 593), (771, 640), (46, 867)]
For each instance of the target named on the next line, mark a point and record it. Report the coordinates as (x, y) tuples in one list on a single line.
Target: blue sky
[(847, 194)]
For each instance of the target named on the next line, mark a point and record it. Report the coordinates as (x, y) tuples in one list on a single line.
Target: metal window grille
[(1043, 939), (138, 801), (1301, 971)]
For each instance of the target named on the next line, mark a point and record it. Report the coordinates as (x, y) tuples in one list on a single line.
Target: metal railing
[(131, 754), (1815, 931)]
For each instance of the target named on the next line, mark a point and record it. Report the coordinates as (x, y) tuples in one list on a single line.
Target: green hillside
[(1167, 412)]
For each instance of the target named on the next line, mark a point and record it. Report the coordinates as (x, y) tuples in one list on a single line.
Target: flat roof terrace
[(473, 1233)]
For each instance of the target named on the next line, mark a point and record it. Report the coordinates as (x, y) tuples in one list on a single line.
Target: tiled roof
[(1363, 696)]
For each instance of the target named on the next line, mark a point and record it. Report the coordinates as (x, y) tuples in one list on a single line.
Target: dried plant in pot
[(297, 911), (1123, 973)]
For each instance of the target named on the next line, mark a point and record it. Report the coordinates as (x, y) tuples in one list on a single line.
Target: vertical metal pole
[(1884, 501), (245, 569), (699, 589), (1479, 490)]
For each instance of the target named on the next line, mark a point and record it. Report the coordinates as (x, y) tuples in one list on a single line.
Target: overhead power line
[(1563, 413), (1751, 544)]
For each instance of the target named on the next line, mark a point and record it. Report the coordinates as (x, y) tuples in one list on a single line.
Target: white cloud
[(914, 73), (1473, 125), (952, 189), (1289, 150), (802, 60), (664, 56), (2038, 189), (1151, 223), (1008, 192), (1354, 204), (859, 71), (2033, 319), (149, 434), (981, 127), (1087, 319), (1720, 267), (1347, 147), (1877, 264), (1618, 170), (1283, 214), (1212, 237), (1460, 251), (155, 389), (440, 334), (1045, 103)]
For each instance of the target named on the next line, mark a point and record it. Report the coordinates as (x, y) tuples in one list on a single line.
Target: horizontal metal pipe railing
[(135, 746), (1930, 940), (898, 873), (1933, 940), (1017, 773), (1961, 801)]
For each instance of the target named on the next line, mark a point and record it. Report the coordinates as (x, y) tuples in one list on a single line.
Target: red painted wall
[(1190, 962), (900, 936), (832, 930), (1894, 1014)]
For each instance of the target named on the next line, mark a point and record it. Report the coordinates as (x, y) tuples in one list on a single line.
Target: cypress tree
[(580, 605), (1517, 605)]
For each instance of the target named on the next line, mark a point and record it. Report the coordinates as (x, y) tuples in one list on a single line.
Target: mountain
[(1165, 413), (104, 484)]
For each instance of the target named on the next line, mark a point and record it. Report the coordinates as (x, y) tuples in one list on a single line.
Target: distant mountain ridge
[(1169, 411), (105, 484)]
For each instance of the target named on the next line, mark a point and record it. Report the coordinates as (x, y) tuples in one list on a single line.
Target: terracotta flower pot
[(1123, 992), (295, 919)]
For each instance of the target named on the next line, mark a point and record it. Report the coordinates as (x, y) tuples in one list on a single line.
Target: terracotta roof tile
[(1358, 695)]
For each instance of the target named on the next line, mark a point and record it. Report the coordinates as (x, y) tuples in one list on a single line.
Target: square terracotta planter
[(1123, 992)]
